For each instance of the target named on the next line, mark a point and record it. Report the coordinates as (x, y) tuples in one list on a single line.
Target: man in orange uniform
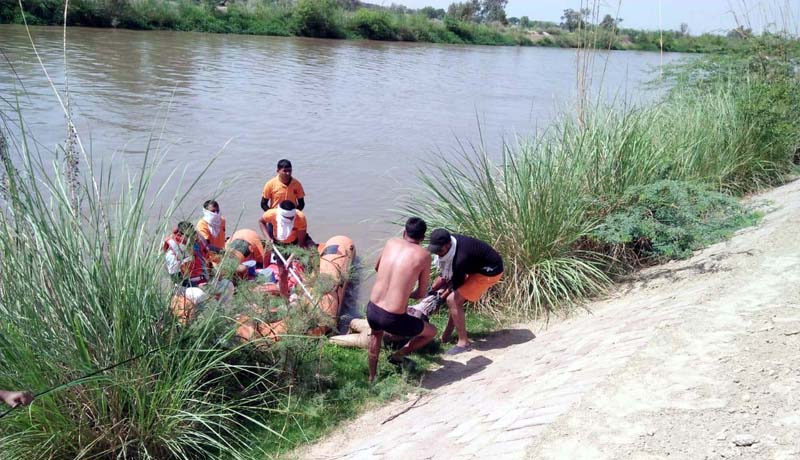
[(283, 187), (285, 225), (211, 227)]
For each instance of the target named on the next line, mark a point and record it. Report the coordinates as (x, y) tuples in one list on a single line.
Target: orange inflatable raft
[(336, 258)]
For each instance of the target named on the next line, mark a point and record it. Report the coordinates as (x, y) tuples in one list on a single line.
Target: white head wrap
[(445, 263), (214, 221), (285, 223)]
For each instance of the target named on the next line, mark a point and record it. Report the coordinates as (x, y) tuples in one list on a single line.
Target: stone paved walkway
[(659, 354)]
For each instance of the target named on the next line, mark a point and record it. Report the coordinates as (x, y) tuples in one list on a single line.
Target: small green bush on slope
[(670, 219)]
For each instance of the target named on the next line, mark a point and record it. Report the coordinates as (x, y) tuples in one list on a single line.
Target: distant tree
[(494, 11), (513, 20), (397, 8), (573, 20), (465, 11), (350, 5), (317, 18), (525, 22), (740, 32), (433, 13), (609, 23), (684, 29)]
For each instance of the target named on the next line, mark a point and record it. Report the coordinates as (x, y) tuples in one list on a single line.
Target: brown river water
[(356, 118)]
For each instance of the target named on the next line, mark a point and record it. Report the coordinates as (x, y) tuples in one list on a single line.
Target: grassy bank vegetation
[(476, 22), (552, 204), (83, 289), (86, 325), (603, 190)]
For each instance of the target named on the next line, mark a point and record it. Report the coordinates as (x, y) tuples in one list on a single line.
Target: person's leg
[(419, 341), (455, 303), (375, 342), (447, 333)]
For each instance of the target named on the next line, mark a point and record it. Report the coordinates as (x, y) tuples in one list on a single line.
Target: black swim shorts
[(403, 325)]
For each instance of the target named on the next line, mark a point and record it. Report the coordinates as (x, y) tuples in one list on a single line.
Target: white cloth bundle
[(425, 306), (175, 256), (285, 223)]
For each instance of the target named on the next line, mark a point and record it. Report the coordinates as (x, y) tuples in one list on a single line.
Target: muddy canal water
[(357, 118)]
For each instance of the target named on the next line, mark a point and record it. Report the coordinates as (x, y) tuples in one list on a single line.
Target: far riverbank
[(326, 19)]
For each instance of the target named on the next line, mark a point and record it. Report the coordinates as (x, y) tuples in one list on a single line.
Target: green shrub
[(670, 219), (317, 18), (373, 24)]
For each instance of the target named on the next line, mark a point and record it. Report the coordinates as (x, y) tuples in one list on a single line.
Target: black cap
[(439, 238)]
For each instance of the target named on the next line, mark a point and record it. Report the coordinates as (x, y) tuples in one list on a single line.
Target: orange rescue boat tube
[(336, 258)]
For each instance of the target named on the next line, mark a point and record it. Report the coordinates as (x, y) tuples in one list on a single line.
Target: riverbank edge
[(482, 328), (373, 25), (567, 359)]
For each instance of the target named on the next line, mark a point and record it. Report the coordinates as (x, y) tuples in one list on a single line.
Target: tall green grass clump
[(725, 126), (530, 207), (81, 290)]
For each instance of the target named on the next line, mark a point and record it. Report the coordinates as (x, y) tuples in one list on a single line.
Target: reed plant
[(82, 290), (539, 202), (530, 207)]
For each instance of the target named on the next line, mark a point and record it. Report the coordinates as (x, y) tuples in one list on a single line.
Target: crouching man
[(403, 263), (468, 267)]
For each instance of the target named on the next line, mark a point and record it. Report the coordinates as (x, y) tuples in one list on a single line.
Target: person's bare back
[(401, 266)]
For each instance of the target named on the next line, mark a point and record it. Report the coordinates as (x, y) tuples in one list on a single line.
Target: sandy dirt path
[(698, 359)]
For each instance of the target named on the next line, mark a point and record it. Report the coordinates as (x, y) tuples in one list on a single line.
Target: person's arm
[(266, 196), (438, 284), (301, 225), (300, 193), (301, 238), (422, 283), (16, 398), (378, 262), (375, 342), (265, 228)]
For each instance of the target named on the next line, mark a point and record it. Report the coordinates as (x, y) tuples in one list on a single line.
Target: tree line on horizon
[(476, 22)]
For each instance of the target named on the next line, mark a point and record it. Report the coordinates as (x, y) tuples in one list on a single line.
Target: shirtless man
[(403, 263)]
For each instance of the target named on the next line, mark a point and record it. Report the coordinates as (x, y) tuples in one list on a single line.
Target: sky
[(714, 16)]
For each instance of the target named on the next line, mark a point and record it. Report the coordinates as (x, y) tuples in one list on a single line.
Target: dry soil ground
[(698, 359)]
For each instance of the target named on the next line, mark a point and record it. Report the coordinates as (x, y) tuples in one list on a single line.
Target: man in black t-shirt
[(468, 267)]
